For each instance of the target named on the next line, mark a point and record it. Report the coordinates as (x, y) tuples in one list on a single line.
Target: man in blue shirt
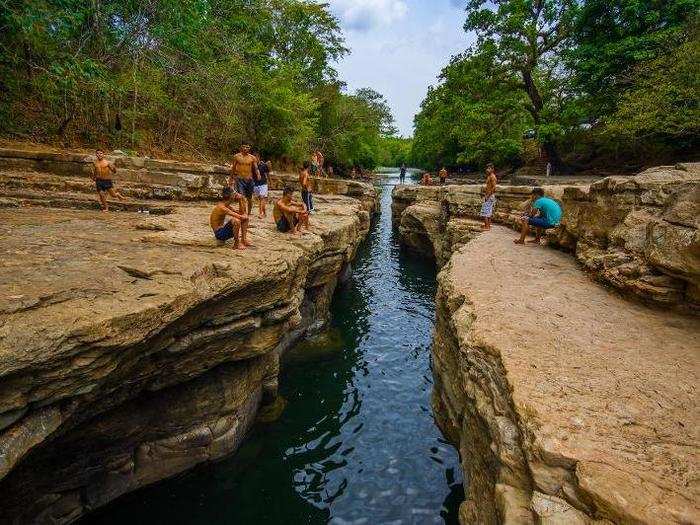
[(545, 213)]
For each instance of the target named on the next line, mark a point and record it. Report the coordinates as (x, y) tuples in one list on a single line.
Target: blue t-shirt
[(549, 208)]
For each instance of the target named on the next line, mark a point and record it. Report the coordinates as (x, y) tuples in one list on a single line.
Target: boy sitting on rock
[(228, 223), (289, 214), (545, 213)]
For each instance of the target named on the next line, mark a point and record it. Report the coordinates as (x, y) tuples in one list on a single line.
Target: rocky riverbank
[(568, 403), (132, 347)]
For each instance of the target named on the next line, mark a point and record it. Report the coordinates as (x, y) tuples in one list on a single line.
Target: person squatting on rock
[(226, 223), (305, 183), (489, 196), (426, 180), (102, 171), (544, 213), (260, 188), (244, 170), (290, 215)]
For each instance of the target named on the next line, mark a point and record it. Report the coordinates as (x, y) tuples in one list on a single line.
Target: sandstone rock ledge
[(132, 347), (568, 403)]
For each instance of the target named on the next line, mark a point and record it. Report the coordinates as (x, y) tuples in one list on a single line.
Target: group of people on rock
[(249, 178), (542, 213)]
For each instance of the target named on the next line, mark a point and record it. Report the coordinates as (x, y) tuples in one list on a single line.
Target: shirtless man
[(489, 196), (244, 170), (443, 175), (426, 180), (227, 224), (290, 215), (305, 183), (102, 171)]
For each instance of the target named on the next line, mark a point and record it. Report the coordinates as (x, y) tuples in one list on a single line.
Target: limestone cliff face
[(568, 404), (132, 347), (639, 234)]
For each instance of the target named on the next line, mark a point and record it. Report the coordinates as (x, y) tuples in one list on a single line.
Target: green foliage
[(187, 76), (473, 117)]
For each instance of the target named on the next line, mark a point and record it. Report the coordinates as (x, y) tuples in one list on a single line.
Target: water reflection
[(356, 443)]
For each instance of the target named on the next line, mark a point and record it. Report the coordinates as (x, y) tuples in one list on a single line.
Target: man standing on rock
[(243, 170), (227, 224), (260, 189), (443, 175), (102, 171), (546, 213), (489, 196), (402, 174), (305, 183)]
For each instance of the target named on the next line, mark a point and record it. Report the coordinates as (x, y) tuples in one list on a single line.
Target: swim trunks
[(225, 232), (283, 224), (260, 190), (104, 184), (488, 206), (541, 222), (245, 187), (307, 199)]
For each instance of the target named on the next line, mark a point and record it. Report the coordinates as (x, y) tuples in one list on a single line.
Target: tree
[(527, 37)]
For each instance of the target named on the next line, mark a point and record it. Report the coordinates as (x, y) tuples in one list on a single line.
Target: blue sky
[(398, 48)]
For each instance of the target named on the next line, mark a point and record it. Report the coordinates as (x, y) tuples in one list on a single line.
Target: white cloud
[(363, 15)]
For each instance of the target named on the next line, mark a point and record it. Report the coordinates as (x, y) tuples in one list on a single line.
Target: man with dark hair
[(244, 170), (226, 223), (443, 175), (489, 196), (260, 189), (102, 171), (402, 174), (546, 213), (305, 183), (290, 215)]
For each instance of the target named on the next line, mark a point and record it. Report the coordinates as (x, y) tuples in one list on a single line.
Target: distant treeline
[(184, 77), (580, 83)]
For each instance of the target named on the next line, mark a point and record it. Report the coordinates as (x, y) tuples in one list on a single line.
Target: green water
[(356, 442)]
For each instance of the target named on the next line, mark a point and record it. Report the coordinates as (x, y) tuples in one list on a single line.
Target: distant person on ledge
[(443, 175), (489, 196), (227, 223), (545, 213), (402, 174), (102, 171), (426, 180)]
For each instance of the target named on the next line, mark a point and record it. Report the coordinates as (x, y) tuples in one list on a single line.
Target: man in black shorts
[(289, 215), (244, 169)]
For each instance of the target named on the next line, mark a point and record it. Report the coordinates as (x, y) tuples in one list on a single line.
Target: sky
[(399, 47)]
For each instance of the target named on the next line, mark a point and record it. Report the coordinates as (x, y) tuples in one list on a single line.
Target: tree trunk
[(535, 110)]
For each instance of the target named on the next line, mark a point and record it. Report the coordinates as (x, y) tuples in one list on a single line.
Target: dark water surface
[(356, 442)]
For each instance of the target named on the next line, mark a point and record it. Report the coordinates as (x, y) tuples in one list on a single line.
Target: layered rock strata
[(143, 177), (568, 403), (133, 347), (638, 234)]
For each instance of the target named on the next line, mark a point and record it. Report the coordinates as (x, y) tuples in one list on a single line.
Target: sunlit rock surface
[(639, 234), (568, 403), (132, 346)]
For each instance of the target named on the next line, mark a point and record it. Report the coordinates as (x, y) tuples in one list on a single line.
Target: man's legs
[(525, 228), (538, 235), (115, 194), (103, 200)]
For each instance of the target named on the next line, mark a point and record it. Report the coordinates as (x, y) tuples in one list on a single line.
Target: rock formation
[(132, 346), (638, 234), (568, 403)]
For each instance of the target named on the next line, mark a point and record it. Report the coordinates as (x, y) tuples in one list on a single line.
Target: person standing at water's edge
[(443, 175), (402, 174), (102, 171), (489, 196), (305, 183), (243, 170), (226, 223), (545, 214)]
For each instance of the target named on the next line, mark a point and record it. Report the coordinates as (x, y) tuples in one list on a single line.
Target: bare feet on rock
[(518, 241)]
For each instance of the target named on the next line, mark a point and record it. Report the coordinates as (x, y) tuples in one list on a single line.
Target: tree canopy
[(184, 76)]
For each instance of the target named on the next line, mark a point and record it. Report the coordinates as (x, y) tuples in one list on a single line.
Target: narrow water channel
[(356, 442)]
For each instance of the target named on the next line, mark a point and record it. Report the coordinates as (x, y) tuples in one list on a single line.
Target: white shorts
[(487, 206), (260, 191)]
